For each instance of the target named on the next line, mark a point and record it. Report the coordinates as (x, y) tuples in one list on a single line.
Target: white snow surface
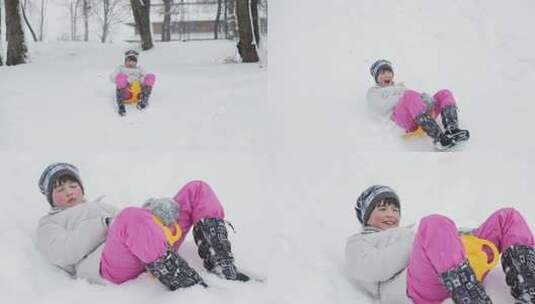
[(205, 121), (482, 51), (287, 148)]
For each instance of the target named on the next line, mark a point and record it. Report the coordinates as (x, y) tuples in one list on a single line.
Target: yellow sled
[(478, 259), (171, 237), (414, 134), (135, 92)]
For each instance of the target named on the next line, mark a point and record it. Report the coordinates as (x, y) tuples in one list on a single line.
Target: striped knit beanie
[(379, 66), (131, 54), (369, 199), (52, 173)]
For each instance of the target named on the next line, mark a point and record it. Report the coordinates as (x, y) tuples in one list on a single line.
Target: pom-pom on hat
[(52, 173), (368, 200), (164, 208)]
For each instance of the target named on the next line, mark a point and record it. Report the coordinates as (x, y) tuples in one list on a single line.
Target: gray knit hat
[(379, 66), (367, 201), (132, 54), (164, 208), (53, 172)]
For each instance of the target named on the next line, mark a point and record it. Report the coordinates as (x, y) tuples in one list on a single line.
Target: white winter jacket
[(73, 238), (382, 100), (377, 260), (136, 73)]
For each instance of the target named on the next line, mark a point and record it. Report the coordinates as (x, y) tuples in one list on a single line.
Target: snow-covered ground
[(319, 215), (331, 150), (482, 51), (207, 120), (196, 95), (287, 148)]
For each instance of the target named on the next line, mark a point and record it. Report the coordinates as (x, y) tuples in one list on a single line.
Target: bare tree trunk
[(16, 47), (247, 43), (23, 5), (254, 15), (74, 19), (217, 18), (230, 18), (225, 19), (1, 62), (71, 14), (105, 23), (141, 12), (85, 10), (42, 19), (166, 25)]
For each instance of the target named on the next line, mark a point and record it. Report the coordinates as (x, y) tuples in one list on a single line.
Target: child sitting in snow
[(410, 109), (124, 77), (397, 265), (91, 240)]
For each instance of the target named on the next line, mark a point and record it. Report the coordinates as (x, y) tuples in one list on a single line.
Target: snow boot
[(441, 140), (121, 110), (518, 263), (144, 98), (463, 287), (174, 272), (450, 123), (213, 245), (120, 96)]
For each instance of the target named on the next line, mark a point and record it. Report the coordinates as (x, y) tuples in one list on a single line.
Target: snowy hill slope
[(319, 72), (205, 121), (481, 50), (68, 83)]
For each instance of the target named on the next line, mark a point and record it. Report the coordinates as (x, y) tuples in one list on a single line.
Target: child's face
[(129, 63), (385, 78), (67, 194), (384, 216)]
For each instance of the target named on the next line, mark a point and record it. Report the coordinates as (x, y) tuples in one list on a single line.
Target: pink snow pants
[(134, 239), (121, 80), (437, 248), (411, 105)]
